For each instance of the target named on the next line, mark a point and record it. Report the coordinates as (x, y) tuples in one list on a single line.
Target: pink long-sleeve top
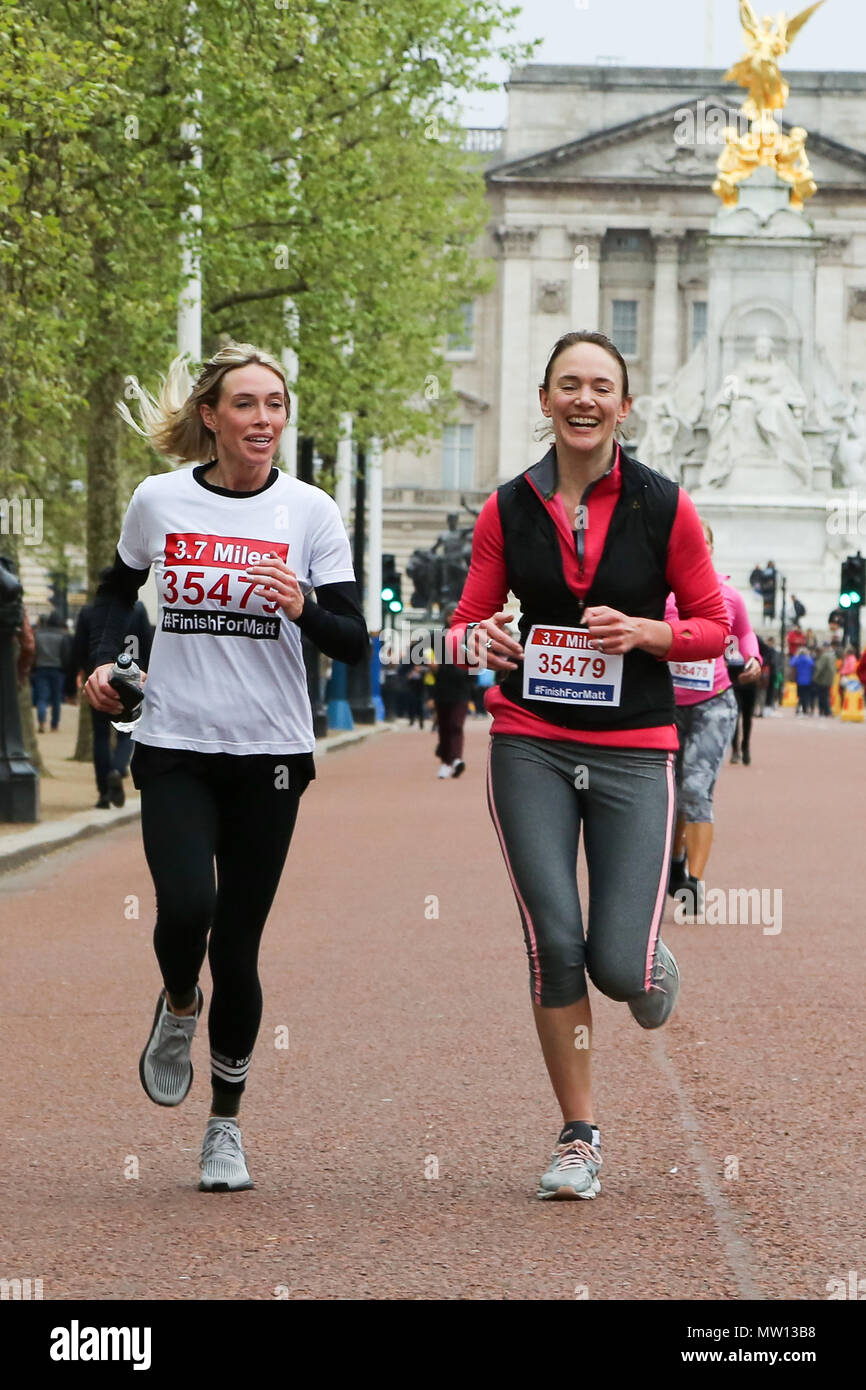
[(699, 630), (741, 630)]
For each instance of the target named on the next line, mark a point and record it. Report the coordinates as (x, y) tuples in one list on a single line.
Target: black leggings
[(201, 809), (746, 706)]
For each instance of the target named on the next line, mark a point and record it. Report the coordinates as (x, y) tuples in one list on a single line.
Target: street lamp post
[(312, 655), (358, 677), (189, 303)]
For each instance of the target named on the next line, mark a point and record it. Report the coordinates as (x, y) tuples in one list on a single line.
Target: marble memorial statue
[(757, 416), (665, 421)]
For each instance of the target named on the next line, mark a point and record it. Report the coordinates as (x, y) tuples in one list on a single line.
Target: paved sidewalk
[(68, 794)]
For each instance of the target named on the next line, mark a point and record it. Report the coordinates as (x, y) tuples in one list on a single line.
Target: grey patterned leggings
[(705, 730), (540, 793)]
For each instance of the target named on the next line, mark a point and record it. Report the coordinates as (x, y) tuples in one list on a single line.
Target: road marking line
[(737, 1251)]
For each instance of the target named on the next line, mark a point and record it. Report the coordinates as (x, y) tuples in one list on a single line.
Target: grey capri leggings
[(540, 792), (705, 730)]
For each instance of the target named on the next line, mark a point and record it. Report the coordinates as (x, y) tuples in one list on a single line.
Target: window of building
[(626, 241), (699, 323), (464, 340), (624, 326), (458, 457)]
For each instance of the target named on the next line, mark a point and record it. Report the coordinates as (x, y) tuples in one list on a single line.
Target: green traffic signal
[(387, 594)]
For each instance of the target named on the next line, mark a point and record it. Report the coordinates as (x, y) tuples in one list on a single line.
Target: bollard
[(19, 781), (852, 703)]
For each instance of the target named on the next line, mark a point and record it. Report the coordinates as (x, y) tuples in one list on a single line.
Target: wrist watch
[(469, 628)]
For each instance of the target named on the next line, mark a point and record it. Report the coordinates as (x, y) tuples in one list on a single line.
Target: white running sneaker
[(165, 1067), (573, 1172), (457, 767), (445, 771), (223, 1162)]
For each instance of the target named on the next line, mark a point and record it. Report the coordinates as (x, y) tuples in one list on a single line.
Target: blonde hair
[(708, 531), (172, 422)]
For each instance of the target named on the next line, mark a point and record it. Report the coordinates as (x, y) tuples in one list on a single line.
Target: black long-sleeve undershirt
[(334, 620)]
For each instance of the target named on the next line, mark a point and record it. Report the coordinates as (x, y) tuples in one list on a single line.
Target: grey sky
[(671, 33)]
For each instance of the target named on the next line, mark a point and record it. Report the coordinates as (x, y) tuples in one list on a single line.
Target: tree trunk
[(84, 740)]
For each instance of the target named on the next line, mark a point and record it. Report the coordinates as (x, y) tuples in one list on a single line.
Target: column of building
[(830, 302), (666, 309), (516, 381), (585, 278)]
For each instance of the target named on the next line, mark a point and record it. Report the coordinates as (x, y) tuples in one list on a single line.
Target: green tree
[(359, 203)]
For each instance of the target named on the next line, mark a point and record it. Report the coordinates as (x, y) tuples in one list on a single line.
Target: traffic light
[(768, 593), (852, 585), (392, 585)]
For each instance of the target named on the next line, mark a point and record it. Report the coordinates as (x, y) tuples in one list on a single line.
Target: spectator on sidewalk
[(53, 647), (795, 639), (803, 665), (110, 766), (452, 692), (771, 659), (413, 673), (823, 678)]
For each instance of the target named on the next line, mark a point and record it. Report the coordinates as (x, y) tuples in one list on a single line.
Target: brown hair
[(585, 335), (173, 423)]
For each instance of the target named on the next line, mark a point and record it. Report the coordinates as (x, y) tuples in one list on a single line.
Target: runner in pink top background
[(706, 716)]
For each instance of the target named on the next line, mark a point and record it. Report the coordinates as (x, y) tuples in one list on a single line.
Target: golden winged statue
[(766, 40), (764, 143)]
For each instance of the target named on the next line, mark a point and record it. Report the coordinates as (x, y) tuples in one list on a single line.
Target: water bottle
[(125, 678)]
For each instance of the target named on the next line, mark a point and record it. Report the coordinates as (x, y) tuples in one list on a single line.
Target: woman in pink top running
[(706, 716), (591, 542)]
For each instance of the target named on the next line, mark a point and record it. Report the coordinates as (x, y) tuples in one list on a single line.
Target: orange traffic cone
[(852, 703)]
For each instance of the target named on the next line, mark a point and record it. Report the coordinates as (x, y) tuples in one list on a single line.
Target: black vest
[(630, 577)]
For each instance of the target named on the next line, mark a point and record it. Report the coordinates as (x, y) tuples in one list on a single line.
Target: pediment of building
[(676, 146)]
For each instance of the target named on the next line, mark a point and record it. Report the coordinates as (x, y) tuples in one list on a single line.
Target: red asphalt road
[(733, 1148)]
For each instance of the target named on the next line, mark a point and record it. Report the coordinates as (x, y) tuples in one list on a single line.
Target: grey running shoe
[(223, 1163), (655, 1007), (165, 1068), (573, 1172)]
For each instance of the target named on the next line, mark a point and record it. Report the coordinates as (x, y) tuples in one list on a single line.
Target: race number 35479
[(562, 665)]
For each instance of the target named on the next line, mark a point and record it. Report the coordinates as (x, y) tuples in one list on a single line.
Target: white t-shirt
[(226, 671)]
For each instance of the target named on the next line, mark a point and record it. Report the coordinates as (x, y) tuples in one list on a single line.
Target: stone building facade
[(600, 201)]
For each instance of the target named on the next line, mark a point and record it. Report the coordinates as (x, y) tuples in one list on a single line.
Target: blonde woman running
[(224, 746)]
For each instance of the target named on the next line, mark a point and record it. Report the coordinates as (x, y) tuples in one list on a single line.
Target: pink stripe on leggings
[(663, 881), (533, 954)]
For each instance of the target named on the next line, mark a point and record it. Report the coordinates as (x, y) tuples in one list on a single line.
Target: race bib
[(693, 675), (561, 664)]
